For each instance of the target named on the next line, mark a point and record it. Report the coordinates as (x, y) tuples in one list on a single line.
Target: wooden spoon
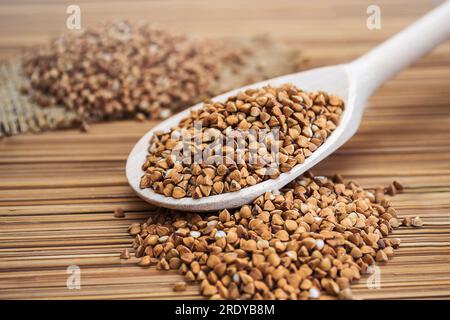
[(353, 82)]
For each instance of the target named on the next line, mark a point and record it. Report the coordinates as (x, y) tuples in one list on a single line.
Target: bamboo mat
[(58, 190)]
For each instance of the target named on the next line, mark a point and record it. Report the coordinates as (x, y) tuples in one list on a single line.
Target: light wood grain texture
[(58, 190)]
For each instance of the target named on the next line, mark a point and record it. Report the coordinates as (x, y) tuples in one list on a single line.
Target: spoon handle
[(386, 60)]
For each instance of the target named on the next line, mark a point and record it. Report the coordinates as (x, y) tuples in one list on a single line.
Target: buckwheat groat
[(314, 237), (280, 127), (135, 70)]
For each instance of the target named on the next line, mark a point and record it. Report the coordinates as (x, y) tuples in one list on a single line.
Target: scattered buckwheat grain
[(180, 286), (118, 213), (125, 254), (314, 237)]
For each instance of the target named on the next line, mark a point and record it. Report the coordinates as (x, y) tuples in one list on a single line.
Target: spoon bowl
[(353, 83), (330, 79)]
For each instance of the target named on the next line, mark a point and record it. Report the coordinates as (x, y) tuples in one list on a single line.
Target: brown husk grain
[(314, 237), (304, 120), (134, 70)]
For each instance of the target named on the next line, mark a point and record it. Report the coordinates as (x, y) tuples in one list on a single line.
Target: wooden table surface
[(58, 190)]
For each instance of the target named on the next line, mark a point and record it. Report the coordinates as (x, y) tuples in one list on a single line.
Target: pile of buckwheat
[(302, 122), (123, 70), (315, 236)]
